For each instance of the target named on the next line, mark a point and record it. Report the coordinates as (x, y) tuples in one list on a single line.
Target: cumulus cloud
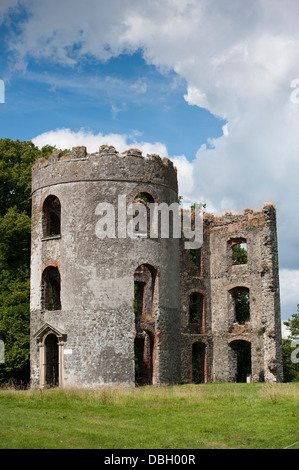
[(289, 294), (66, 139), (196, 97), (65, 31), (289, 283), (185, 174)]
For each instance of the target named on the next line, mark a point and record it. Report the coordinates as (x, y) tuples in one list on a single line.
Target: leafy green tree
[(16, 160), (239, 254), (242, 307), (290, 369), (289, 346)]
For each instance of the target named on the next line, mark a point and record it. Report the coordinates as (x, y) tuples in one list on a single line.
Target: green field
[(207, 416)]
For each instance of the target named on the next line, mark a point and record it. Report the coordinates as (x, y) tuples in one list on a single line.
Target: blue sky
[(124, 95), (206, 83)]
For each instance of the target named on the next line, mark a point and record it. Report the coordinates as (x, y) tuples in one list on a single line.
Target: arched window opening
[(241, 304), (196, 309), (146, 197), (142, 228), (51, 289), (144, 349), (199, 363), (51, 357), (241, 360), (139, 288), (238, 248), (51, 216), (144, 292), (195, 258)]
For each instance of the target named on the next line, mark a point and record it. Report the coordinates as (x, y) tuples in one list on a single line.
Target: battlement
[(106, 164), (108, 150), (247, 218)]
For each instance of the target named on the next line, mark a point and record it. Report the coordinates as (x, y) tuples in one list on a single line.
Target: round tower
[(105, 310)]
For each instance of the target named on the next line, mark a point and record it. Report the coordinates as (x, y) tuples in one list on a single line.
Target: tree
[(289, 347), (16, 160), (239, 254), (242, 307)]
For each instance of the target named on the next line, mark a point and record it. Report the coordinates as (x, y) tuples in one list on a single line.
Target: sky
[(211, 84)]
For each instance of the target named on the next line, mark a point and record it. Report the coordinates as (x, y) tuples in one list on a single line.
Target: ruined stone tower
[(90, 325), (116, 310)]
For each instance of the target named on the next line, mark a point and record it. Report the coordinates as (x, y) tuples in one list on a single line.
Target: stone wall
[(218, 278)]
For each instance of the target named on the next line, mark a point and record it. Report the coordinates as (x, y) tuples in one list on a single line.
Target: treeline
[(16, 160)]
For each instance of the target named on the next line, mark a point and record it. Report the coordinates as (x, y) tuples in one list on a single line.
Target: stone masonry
[(113, 311)]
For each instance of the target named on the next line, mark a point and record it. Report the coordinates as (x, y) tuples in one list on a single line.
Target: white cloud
[(196, 97), (289, 282), (66, 139), (54, 27), (284, 331), (225, 129), (289, 292), (185, 174)]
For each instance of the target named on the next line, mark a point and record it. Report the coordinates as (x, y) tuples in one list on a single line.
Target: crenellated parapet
[(243, 220), (107, 164)]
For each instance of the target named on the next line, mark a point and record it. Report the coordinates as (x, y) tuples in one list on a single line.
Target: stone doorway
[(241, 359), (199, 363)]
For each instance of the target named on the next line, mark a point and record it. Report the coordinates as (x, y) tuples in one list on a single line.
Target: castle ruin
[(119, 311)]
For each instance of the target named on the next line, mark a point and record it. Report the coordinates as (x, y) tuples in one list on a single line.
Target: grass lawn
[(207, 416)]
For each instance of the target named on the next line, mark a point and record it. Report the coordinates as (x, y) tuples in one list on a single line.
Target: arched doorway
[(241, 359), (199, 362), (50, 342), (51, 359)]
